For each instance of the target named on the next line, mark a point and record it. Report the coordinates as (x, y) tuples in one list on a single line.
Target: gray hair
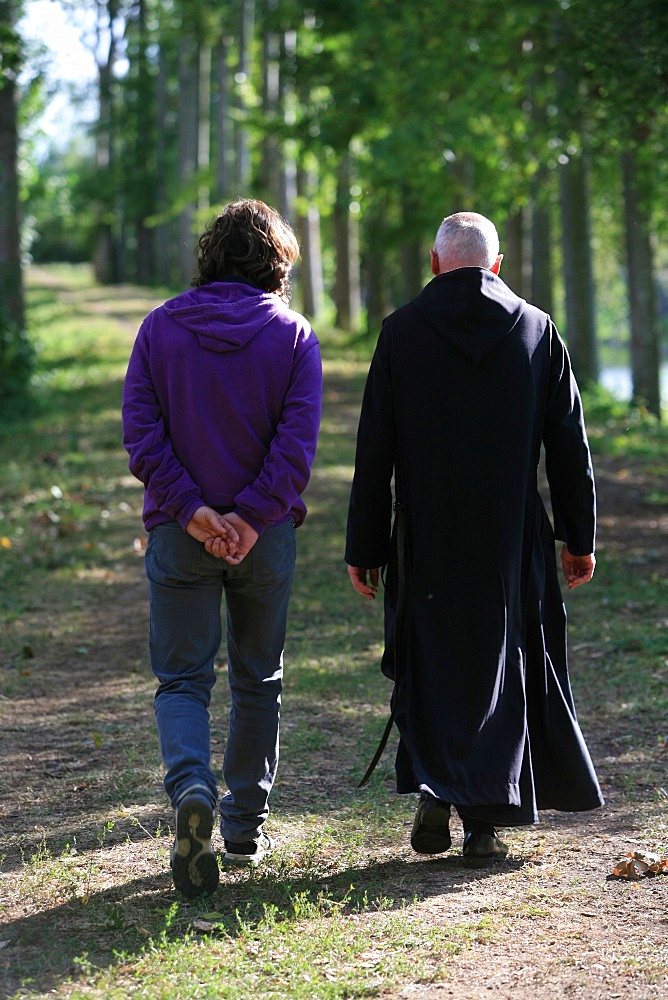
[(466, 239)]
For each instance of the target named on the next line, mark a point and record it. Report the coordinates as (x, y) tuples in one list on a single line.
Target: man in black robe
[(467, 382)]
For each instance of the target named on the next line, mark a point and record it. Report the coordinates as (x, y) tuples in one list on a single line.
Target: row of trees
[(366, 121)]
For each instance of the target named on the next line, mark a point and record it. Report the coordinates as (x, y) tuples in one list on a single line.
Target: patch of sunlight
[(345, 366), (333, 472)]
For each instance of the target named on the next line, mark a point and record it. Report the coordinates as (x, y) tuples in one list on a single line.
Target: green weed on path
[(342, 909)]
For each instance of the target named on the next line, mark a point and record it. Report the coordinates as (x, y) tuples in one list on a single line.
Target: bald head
[(465, 239)]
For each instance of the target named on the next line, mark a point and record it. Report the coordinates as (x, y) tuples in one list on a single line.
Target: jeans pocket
[(172, 555), (275, 553)]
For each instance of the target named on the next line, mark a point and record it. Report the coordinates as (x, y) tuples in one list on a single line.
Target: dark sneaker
[(248, 852), (431, 828), (482, 848), (194, 865)]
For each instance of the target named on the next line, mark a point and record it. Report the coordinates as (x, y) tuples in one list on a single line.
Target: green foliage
[(16, 363), (625, 431), (58, 205), (11, 45)]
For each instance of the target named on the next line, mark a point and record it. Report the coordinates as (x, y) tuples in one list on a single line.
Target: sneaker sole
[(194, 865), (249, 860), (243, 860)]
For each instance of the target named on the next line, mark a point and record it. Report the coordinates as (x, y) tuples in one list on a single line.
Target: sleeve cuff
[(185, 514)]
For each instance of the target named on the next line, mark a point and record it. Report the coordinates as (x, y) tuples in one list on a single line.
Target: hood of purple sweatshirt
[(221, 405), (224, 316)]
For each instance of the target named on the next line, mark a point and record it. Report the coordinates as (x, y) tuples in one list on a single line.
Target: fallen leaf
[(638, 864)]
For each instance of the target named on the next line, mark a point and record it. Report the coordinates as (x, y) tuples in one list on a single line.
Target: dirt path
[(77, 745)]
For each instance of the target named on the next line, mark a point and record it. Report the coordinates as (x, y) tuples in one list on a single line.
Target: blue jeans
[(186, 587)]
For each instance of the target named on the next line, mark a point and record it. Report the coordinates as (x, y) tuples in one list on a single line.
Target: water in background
[(618, 382)]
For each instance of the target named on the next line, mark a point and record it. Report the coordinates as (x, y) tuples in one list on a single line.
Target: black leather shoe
[(431, 828), (482, 848)]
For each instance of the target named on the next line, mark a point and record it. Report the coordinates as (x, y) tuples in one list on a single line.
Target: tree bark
[(308, 229), (580, 330), (346, 240), (142, 187), (223, 130), (104, 253), (287, 103), (378, 304), (188, 136), (541, 247), (242, 160), (11, 287), (16, 353), (270, 162), (412, 256), (641, 287), (204, 126), (513, 269), (165, 236)]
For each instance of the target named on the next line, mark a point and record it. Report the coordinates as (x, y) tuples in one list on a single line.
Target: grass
[(621, 627), (341, 910)]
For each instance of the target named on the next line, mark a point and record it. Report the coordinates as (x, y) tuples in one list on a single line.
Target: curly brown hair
[(248, 240)]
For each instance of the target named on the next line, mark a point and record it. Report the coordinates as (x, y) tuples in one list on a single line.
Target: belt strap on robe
[(400, 523)]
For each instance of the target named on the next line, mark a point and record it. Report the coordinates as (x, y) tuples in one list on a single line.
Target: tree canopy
[(366, 123)]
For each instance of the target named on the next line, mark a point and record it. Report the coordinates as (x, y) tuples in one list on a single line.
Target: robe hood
[(472, 308), (225, 316)]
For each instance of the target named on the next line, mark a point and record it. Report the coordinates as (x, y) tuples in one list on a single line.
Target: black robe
[(466, 383)]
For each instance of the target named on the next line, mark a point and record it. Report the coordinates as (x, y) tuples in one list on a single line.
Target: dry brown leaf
[(638, 864)]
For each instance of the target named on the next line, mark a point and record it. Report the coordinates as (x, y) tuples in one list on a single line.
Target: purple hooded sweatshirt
[(221, 406)]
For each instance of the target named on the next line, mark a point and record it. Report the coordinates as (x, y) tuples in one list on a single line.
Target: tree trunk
[(204, 127), (242, 160), (188, 135), (16, 354), (642, 290), (104, 256), (578, 271), (308, 228), (223, 127), (346, 243), (412, 256), (270, 162), (513, 269), (541, 247), (164, 231), (141, 189), (11, 288), (287, 102), (378, 304)]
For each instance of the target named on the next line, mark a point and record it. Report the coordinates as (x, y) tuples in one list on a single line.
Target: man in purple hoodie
[(221, 409)]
